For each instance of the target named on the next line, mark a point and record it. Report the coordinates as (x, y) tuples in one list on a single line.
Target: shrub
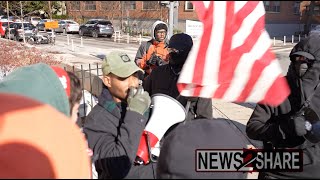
[(14, 54), (146, 34), (176, 31)]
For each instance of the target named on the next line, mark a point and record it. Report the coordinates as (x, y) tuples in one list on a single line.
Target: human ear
[(106, 80)]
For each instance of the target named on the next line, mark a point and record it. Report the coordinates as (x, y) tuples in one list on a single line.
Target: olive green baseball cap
[(119, 64)]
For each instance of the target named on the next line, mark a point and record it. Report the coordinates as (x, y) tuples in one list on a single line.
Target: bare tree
[(310, 14)]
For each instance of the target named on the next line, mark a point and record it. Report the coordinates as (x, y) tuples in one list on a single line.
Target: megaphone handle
[(149, 149), (187, 110)]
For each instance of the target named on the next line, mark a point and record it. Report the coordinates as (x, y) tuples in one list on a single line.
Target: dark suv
[(97, 27)]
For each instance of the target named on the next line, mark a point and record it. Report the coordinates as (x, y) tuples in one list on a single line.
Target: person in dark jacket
[(164, 78), (114, 126), (275, 125)]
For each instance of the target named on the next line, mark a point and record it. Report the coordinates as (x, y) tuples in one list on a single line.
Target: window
[(296, 7), (131, 5), (90, 5), (110, 5), (75, 5), (104, 22), (150, 5), (316, 10), (91, 22), (188, 6), (266, 5), (272, 6)]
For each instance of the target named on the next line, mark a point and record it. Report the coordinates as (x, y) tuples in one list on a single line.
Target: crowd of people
[(39, 137)]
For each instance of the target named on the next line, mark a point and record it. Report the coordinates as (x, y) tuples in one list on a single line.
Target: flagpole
[(170, 31)]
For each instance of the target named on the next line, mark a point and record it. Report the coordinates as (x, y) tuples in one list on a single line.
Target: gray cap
[(119, 64)]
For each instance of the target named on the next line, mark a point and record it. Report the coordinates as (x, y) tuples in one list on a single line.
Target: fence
[(90, 81)]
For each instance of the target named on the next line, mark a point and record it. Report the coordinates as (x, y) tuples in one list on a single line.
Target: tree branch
[(5, 7)]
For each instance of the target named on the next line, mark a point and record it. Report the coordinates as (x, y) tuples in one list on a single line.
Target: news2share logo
[(249, 160)]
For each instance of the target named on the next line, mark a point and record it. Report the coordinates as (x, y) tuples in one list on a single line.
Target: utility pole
[(121, 25), (171, 6), (8, 18), (21, 15)]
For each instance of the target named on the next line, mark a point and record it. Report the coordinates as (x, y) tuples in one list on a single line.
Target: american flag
[(233, 60)]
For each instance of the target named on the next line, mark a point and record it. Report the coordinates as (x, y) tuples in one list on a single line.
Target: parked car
[(315, 30), (67, 26), (41, 26), (4, 23), (16, 31), (96, 28), (32, 19), (11, 18)]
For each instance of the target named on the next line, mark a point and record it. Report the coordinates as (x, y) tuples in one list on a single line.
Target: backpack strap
[(308, 101)]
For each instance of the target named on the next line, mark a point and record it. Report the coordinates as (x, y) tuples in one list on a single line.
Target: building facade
[(282, 17), (134, 14)]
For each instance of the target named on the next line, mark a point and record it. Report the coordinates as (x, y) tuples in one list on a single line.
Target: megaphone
[(312, 125), (166, 111)]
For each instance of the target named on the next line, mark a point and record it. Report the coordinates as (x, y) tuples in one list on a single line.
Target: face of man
[(119, 87), (161, 34)]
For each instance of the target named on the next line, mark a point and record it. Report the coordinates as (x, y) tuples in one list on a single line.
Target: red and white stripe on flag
[(232, 60)]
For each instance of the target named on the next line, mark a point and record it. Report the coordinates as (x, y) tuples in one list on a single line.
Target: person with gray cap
[(164, 78), (282, 126), (114, 126)]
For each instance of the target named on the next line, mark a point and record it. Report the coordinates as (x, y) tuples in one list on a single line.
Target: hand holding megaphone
[(138, 100)]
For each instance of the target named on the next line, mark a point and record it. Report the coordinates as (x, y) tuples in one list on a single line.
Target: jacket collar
[(107, 102)]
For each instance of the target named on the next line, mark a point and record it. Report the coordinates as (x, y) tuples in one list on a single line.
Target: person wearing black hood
[(164, 78), (278, 126)]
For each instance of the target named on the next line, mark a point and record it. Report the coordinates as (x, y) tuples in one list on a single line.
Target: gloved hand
[(138, 101), (295, 125)]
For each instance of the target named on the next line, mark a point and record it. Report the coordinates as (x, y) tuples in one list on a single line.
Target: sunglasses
[(301, 59)]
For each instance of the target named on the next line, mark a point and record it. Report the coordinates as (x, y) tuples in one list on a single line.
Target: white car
[(32, 19), (67, 26)]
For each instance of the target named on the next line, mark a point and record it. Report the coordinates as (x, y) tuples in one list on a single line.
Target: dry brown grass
[(14, 54)]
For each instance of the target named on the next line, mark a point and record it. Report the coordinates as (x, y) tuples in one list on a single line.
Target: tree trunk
[(310, 15)]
